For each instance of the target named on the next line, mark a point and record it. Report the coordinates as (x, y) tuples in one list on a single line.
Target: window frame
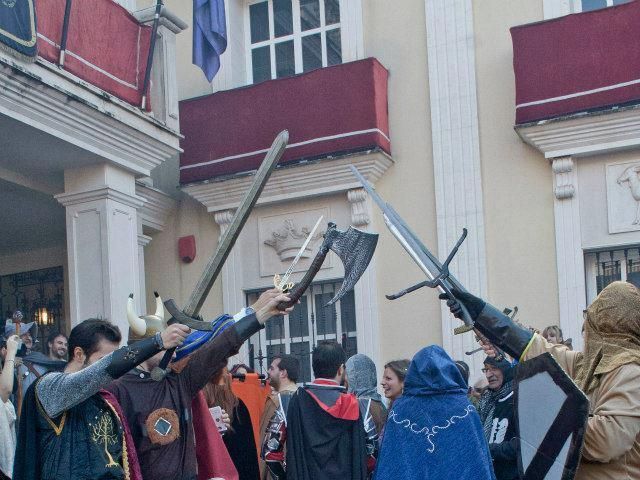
[(296, 36), (618, 253), (259, 340), (577, 6)]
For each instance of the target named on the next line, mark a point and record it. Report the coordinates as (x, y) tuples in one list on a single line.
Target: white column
[(102, 242), (569, 254), (233, 299), (366, 288), (456, 154), (143, 241)]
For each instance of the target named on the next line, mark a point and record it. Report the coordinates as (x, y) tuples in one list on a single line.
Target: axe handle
[(168, 355), (298, 290)]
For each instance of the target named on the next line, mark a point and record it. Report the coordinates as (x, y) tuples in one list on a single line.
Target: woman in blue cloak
[(433, 432)]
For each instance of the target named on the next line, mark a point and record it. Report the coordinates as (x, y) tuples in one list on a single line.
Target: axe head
[(355, 248)]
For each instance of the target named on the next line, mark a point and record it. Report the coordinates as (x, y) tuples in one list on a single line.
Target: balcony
[(578, 63), (331, 112), (106, 46)]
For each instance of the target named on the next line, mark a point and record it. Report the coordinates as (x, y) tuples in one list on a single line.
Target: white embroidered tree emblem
[(103, 433)]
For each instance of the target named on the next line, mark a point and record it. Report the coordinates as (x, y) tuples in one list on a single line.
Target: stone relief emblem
[(631, 180), (623, 196), (288, 239)]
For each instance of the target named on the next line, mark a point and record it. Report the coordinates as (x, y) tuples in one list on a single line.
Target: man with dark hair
[(57, 343), (283, 375), (497, 417), (326, 437), (70, 428), (36, 364)]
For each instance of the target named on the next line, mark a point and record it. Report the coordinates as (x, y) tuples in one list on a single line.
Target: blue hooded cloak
[(433, 431)]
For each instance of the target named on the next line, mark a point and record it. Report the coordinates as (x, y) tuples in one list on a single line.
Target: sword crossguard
[(283, 287), (438, 281)]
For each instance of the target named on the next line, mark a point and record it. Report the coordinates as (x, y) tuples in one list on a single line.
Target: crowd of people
[(89, 408)]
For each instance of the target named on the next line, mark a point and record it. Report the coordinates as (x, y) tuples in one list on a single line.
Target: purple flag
[(209, 35)]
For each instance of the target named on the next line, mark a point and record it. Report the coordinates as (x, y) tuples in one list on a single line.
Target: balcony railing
[(578, 63), (328, 112), (106, 46)]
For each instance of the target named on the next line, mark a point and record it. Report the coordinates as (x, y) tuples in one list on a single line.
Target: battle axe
[(354, 248)]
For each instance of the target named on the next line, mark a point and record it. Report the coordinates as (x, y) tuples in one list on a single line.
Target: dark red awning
[(577, 63), (106, 46), (328, 111)]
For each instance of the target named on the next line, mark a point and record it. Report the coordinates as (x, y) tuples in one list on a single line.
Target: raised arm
[(212, 356), (59, 391), (6, 379)]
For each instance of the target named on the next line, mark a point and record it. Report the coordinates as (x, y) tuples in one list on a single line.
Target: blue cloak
[(433, 431)]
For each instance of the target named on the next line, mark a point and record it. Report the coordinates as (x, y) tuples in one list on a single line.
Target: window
[(588, 5), (286, 37), (606, 267), (309, 323)]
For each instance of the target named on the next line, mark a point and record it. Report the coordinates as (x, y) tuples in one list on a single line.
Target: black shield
[(551, 416)]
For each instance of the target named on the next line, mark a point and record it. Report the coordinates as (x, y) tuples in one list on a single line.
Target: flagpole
[(152, 46), (65, 33)]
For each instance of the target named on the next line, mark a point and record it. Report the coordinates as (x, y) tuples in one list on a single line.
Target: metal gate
[(309, 323)]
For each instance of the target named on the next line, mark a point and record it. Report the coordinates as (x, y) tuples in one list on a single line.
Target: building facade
[(504, 118)]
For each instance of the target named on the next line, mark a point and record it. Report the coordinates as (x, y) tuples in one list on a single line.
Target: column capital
[(562, 164), (360, 212), (144, 240), (106, 193), (223, 217), (563, 168)]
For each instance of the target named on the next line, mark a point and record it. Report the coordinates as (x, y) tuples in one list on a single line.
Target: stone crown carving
[(288, 240)]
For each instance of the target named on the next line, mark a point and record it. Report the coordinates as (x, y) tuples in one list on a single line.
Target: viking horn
[(159, 307), (137, 324)]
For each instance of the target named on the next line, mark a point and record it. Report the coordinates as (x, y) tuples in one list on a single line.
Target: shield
[(551, 414)]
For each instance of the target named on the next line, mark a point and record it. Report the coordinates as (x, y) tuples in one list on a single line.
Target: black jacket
[(497, 411)]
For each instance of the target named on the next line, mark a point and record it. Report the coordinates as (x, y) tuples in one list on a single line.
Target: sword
[(438, 273), (281, 283), (187, 316)]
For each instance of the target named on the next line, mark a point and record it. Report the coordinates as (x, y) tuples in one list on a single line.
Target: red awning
[(327, 112), (106, 46), (577, 63)]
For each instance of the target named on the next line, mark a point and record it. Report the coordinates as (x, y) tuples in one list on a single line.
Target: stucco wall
[(517, 180), (166, 273), (397, 37)]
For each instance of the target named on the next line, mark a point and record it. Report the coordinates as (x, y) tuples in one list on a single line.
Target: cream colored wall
[(517, 180), (167, 274), (397, 37)]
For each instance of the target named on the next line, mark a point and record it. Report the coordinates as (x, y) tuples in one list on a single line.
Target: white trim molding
[(584, 134), (60, 104), (556, 8), (312, 179), (569, 253), (157, 208), (456, 153)]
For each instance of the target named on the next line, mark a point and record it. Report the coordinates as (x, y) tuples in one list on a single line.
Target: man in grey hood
[(361, 379)]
